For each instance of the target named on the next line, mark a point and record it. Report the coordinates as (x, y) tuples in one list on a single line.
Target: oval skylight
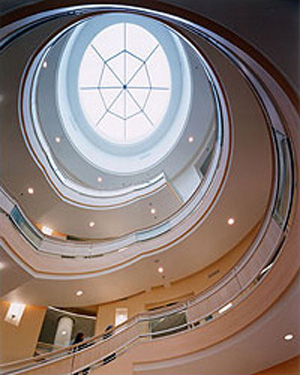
[(90, 67), (123, 91), (124, 83)]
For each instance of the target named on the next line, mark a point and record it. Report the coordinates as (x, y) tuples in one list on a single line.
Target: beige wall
[(291, 367), (177, 291), (20, 342)]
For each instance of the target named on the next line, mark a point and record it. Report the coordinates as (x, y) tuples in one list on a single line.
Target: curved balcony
[(118, 252), (244, 286)]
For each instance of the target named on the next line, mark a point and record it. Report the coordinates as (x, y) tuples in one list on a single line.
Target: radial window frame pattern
[(138, 154), (124, 91)]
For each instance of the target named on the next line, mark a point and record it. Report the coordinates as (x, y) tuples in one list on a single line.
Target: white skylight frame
[(136, 156)]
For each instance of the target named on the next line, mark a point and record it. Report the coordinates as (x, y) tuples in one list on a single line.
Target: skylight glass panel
[(124, 83)]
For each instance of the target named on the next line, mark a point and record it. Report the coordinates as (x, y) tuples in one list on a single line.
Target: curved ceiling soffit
[(76, 196), (167, 217), (50, 179)]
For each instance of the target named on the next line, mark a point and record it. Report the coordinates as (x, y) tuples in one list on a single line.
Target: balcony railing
[(198, 311), (222, 296)]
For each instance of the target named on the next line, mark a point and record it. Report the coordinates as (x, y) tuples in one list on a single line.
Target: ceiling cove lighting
[(47, 231), (30, 190), (160, 269), (230, 221), (79, 293), (288, 337), (225, 308)]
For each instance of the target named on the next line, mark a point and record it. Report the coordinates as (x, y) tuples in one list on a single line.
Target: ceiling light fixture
[(63, 333), (191, 139), (45, 64), (57, 139), (264, 270), (230, 221), (99, 179), (122, 249), (79, 293), (30, 190), (160, 269), (225, 308), (289, 337), (47, 231), (92, 224), (153, 211)]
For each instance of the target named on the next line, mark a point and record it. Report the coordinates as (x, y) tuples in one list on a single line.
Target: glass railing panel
[(153, 232), (25, 227), (168, 325), (283, 197)]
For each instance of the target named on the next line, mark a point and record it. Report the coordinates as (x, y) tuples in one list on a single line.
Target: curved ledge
[(167, 233), (139, 244), (245, 288)]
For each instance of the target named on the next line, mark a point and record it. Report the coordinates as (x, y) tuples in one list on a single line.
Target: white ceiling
[(249, 176), (268, 24)]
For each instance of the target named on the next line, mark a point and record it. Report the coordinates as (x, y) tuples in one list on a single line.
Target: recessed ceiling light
[(160, 269), (225, 308), (91, 224), (79, 293), (230, 221), (288, 337), (30, 190), (45, 64), (57, 139), (264, 270), (99, 179), (191, 139), (63, 333), (47, 231), (153, 210), (122, 249)]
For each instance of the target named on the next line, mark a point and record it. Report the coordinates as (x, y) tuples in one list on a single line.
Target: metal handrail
[(92, 249), (212, 313), (146, 317), (97, 248)]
